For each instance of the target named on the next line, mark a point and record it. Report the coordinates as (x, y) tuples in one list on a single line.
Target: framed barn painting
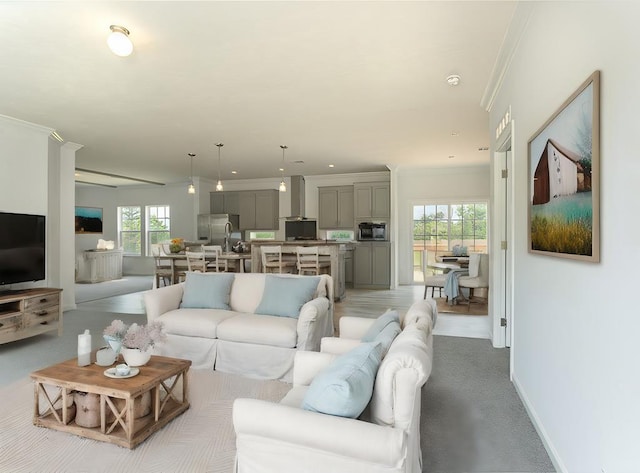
[(88, 220), (564, 187)]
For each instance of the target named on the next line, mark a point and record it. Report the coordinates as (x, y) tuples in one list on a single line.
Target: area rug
[(462, 309), (200, 440)]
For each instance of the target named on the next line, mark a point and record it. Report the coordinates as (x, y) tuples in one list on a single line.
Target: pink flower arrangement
[(136, 336)]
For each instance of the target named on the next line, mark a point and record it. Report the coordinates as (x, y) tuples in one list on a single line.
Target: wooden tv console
[(29, 312)]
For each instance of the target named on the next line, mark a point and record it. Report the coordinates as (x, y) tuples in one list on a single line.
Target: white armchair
[(386, 438)]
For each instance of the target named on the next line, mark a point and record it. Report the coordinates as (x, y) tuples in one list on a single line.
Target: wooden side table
[(163, 377)]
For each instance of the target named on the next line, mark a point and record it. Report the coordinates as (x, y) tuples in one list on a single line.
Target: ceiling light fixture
[(453, 80), (283, 186), (219, 187), (191, 189), (119, 41), (332, 165)]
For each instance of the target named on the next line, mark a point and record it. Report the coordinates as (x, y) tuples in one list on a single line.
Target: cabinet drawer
[(35, 304), (40, 317), (10, 324)]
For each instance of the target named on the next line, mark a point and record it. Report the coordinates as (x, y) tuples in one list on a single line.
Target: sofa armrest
[(424, 310), (354, 327), (307, 364), (338, 346), (314, 322), (280, 437), (162, 300)]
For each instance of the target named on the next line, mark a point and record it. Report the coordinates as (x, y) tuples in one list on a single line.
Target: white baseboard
[(542, 433)]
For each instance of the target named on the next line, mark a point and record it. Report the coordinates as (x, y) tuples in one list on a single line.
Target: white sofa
[(385, 438), (239, 340)]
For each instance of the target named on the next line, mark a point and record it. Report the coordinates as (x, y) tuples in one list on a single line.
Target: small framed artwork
[(564, 178), (88, 220)]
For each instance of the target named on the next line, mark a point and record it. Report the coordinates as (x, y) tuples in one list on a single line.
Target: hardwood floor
[(372, 303), (358, 303)]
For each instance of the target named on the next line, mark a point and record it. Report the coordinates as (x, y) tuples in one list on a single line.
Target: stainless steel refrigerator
[(219, 229)]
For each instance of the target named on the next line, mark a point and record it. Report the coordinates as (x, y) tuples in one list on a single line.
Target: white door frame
[(501, 298)]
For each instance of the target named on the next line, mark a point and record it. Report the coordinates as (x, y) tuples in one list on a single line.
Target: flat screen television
[(22, 248)]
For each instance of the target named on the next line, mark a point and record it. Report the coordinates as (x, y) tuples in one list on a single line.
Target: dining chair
[(272, 261), (196, 261), (163, 269), (308, 261), (212, 255), (434, 281), (478, 276)]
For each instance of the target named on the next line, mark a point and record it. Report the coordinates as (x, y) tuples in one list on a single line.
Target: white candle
[(84, 348)]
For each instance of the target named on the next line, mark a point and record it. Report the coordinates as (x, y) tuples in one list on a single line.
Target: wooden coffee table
[(161, 376)]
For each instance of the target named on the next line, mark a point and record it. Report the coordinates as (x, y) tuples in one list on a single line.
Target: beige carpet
[(200, 440), (463, 309)]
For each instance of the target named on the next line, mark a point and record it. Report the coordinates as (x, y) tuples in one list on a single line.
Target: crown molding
[(510, 42), (32, 126)]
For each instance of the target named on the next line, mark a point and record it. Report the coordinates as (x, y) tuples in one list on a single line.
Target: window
[(130, 230), (344, 235), (158, 225), (262, 235), (439, 228)]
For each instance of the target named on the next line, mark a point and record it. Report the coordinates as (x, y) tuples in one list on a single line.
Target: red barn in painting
[(558, 173)]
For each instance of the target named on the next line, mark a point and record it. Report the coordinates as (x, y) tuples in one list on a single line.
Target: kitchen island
[(328, 249)]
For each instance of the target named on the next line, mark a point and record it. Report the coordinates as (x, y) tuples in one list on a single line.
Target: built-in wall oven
[(370, 231)]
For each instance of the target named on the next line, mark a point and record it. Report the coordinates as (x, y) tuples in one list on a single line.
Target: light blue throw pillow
[(380, 323), (207, 291), (285, 296), (344, 388), (387, 335)]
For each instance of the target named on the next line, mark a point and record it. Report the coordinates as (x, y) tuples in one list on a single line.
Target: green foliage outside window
[(130, 224)]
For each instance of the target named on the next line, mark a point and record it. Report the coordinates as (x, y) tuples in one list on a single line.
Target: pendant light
[(283, 186), (191, 189), (219, 184)]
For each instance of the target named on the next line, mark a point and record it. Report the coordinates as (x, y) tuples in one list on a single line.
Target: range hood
[(297, 199)]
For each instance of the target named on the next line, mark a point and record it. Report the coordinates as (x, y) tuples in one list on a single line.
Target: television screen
[(22, 254)]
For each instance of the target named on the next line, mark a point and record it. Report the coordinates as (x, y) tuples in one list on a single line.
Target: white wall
[(184, 208), (576, 324), (24, 182), (432, 185)]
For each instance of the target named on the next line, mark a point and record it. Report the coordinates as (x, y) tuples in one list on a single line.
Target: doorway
[(502, 278)]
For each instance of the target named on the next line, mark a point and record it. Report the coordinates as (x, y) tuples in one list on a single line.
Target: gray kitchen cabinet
[(258, 210), (348, 267), (216, 205), (225, 202), (232, 202), (335, 207), (267, 210), (372, 200), (372, 265)]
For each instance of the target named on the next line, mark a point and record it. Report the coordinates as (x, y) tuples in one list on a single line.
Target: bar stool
[(308, 261), (272, 261)]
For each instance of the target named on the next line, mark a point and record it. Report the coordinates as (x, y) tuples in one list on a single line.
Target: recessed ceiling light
[(281, 169), (451, 156), (332, 165), (234, 172), (453, 79)]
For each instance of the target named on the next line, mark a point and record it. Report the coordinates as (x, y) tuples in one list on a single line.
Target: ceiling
[(360, 85)]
